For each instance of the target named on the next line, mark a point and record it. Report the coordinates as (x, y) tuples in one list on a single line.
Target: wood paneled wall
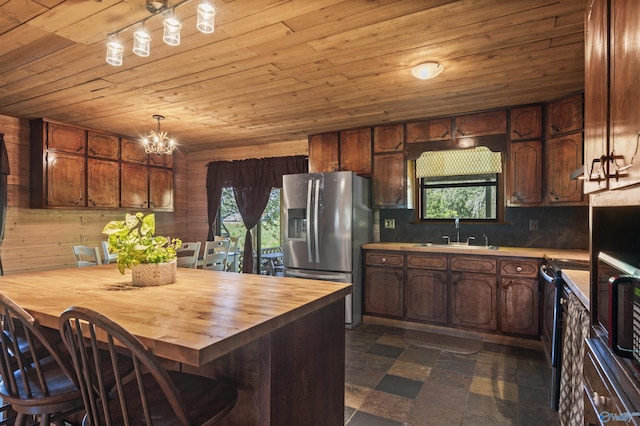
[(39, 239)]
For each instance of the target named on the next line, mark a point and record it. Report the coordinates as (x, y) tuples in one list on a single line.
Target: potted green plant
[(151, 258)]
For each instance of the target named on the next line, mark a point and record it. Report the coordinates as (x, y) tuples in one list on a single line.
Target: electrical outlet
[(533, 225), (390, 223)]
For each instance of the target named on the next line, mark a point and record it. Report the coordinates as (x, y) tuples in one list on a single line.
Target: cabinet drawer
[(438, 262), (474, 264), (519, 267), (597, 386), (385, 258)]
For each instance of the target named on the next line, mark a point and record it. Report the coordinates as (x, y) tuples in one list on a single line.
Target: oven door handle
[(545, 275)]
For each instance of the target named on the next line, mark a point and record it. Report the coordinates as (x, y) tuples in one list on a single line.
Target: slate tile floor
[(390, 382)]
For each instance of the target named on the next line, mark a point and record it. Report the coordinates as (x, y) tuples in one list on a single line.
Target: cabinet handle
[(384, 260), (555, 128), (444, 134), (508, 284), (599, 400), (519, 269), (517, 132)]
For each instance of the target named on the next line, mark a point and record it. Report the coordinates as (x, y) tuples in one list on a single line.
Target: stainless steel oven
[(556, 293)]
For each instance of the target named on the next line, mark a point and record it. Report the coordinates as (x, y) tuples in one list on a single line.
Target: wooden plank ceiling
[(277, 70)]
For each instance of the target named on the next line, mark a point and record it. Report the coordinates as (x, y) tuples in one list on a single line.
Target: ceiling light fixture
[(115, 50), (171, 29), (427, 70), (158, 142), (141, 41), (206, 13)]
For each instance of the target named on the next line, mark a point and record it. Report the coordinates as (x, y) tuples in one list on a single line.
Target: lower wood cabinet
[(474, 301), (426, 288), (384, 292), (477, 292)]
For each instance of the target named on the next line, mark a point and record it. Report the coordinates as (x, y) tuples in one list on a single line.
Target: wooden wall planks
[(40, 239)]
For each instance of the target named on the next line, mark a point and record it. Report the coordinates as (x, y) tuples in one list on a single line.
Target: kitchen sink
[(457, 246)]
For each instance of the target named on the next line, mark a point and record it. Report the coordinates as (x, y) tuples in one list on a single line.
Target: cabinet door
[(355, 151), (135, 186), (65, 138), (426, 295), (625, 80), (524, 184), (519, 306), (65, 180), (389, 180), (323, 153), (526, 122), (438, 129), (595, 95), (103, 146), (388, 138), (161, 160), (564, 155), (482, 124), (103, 183), (565, 115), (473, 301), (384, 294), (161, 189), (133, 151)]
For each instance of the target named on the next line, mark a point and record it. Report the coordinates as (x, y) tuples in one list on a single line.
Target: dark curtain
[(4, 171), (252, 181)]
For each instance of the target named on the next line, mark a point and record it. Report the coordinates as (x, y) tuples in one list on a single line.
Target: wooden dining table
[(280, 340)]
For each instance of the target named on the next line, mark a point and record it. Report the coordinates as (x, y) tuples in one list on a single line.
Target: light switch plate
[(390, 223), (533, 225)]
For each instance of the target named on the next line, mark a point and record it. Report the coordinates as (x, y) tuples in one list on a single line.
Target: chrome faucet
[(457, 220)]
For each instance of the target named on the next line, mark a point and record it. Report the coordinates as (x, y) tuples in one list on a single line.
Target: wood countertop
[(578, 282), (481, 250), (202, 316)]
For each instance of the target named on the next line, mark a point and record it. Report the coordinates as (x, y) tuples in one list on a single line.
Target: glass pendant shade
[(206, 15), (115, 51), (141, 42), (172, 27)]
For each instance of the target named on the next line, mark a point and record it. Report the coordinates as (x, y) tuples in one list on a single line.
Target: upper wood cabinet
[(389, 181), (565, 115), (563, 156), (103, 145), (438, 129), (596, 91), (481, 124), (324, 152), (64, 138), (526, 123), (103, 183), (624, 114), (133, 151), (355, 151), (80, 168), (389, 138), (524, 174), (65, 181)]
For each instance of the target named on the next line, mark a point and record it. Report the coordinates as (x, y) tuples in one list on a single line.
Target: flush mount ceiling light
[(427, 70), (171, 29), (158, 142)]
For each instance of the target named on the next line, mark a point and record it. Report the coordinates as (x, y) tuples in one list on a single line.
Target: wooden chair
[(86, 256), (108, 257), (36, 378), (215, 254), (188, 255), (151, 392)]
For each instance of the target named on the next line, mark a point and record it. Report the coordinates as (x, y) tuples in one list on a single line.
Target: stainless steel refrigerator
[(326, 217)]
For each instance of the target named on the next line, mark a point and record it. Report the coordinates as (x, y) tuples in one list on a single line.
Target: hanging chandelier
[(158, 142), (205, 10)]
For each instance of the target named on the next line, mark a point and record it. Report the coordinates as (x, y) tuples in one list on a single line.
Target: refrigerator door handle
[(308, 218), (316, 219), (329, 277)]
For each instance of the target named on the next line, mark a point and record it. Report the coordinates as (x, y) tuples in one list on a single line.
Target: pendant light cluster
[(158, 142), (171, 34)]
